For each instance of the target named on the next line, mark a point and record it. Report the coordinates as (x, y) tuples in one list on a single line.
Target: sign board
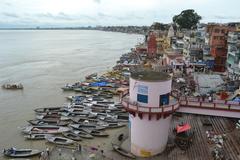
[(143, 89)]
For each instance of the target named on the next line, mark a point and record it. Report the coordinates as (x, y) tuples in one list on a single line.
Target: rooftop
[(150, 76)]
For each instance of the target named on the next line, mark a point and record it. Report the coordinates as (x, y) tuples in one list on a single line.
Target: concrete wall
[(155, 89), (148, 138)]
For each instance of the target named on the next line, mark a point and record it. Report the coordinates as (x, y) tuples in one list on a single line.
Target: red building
[(218, 45), (151, 45)]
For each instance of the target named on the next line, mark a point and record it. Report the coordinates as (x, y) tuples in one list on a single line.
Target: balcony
[(165, 110)]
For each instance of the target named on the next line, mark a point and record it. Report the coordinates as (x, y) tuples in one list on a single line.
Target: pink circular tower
[(150, 106)]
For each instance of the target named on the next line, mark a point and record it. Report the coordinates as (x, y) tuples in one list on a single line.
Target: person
[(13, 150), (210, 98), (120, 137), (41, 156), (59, 152), (48, 152), (102, 152), (79, 148)]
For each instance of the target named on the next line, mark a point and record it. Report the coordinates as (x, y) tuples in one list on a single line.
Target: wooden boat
[(46, 110), (60, 140), (82, 134), (123, 152), (76, 98), (91, 76), (67, 88), (105, 102), (49, 129), (48, 122), (82, 119), (37, 136), (78, 89), (20, 153), (13, 86), (114, 125), (72, 136), (49, 118), (96, 133), (89, 126)]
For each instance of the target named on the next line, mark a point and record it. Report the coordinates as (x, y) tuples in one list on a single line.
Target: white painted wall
[(148, 136), (155, 89)]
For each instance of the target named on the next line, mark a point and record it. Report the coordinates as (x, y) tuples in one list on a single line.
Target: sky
[(74, 13)]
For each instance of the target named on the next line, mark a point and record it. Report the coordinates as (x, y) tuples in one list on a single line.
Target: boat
[(82, 134), (96, 133), (69, 87), (82, 119), (114, 125), (91, 76), (123, 152), (60, 140), (89, 126), (54, 117), (13, 86), (48, 122), (37, 136), (72, 136), (20, 153), (48, 129), (46, 110)]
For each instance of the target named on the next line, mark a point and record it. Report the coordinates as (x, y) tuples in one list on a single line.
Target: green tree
[(187, 19), (158, 26)]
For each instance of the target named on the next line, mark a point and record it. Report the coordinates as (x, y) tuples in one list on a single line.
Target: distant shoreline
[(120, 29)]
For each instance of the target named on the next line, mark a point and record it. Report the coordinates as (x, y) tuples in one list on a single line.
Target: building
[(192, 49), (151, 44), (218, 45), (176, 61), (178, 46), (233, 55), (150, 106)]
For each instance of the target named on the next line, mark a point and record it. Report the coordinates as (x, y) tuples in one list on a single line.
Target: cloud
[(97, 1), (11, 15), (59, 16), (8, 4), (227, 17), (120, 18)]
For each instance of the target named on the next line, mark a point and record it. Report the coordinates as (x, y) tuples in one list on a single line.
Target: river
[(45, 60)]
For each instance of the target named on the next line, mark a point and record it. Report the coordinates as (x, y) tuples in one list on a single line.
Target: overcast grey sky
[(32, 13)]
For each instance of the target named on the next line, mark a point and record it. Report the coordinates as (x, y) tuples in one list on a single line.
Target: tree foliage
[(159, 26), (187, 19)]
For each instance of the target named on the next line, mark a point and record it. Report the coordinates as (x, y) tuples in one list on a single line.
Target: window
[(216, 30), (142, 98), (164, 99)]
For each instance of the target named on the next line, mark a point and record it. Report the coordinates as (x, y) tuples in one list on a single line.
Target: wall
[(155, 89), (148, 138)]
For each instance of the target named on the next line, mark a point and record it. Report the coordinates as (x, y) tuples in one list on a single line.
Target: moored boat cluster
[(84, 118)]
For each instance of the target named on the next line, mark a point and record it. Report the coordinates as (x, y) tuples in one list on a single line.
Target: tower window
[(164, 99), (142, 98)]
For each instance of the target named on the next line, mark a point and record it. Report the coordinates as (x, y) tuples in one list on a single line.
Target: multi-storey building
[(233, 55), (192, 49), (151, 44), (218, 45)]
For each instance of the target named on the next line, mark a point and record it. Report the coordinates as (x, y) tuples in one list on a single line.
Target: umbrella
[(183, 128)]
